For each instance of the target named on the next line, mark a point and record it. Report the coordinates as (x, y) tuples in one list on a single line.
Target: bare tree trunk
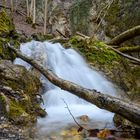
[(126, 109), (27, 5), (31, 8), (16, 5), (45, 16), (133, 32), (12, 6), (34, 12)]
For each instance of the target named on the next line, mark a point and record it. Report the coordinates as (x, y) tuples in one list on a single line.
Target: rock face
[(19, 90), (104, 18)]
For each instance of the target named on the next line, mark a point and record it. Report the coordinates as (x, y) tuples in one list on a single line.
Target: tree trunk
[(34, 12), (12, 6), (133, 32), (31, 8), (27, 6), (127, 109), (45, 16)]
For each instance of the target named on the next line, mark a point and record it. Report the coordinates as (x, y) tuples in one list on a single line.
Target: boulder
[(19, 90)]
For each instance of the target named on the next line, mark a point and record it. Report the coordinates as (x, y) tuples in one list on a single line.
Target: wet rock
[(83, 118)]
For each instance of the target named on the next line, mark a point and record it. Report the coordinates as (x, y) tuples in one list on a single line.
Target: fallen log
[(127, 109), (133, 32)]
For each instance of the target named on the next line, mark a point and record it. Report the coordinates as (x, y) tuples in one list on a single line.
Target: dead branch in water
[(81, 127)]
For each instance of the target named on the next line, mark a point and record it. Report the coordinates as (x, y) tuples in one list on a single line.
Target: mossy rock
[(23, 105), (19, 115), (6, 25), (7, 35)]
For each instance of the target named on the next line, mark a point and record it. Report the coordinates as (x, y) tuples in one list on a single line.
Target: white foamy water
[(69, 65)]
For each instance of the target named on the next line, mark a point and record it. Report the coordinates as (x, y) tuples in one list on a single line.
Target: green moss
[(104, 59), (7, 35), (15, 109), (95, 51), (6, 26)]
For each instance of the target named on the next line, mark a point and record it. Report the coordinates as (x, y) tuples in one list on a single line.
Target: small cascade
[(69, 65)]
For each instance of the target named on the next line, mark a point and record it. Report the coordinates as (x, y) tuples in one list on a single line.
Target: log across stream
[(69, 65)]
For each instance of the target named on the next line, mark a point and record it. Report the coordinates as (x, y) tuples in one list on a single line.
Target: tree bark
[(12, 6), (34, 11), (27, 6), (124, 108), (129, 49), (45, 16), (133, 32)]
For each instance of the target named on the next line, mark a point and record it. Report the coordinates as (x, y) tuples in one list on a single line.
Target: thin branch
[(73, 116), (82, 35), (61, 33), (124, 55)]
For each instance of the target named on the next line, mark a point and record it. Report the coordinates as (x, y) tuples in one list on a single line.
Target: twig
[(61, 33), (82, 35), (73, 116), (124, 55)]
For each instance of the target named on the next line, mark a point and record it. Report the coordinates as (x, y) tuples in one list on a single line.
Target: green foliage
[(6, 25), (7, 34)]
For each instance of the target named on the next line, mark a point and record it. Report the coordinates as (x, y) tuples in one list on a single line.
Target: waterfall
[(69, 65)]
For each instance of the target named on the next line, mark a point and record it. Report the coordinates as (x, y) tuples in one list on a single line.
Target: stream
[(69, 65)]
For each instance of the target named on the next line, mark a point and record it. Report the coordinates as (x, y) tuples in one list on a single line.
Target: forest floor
[(19, 19)]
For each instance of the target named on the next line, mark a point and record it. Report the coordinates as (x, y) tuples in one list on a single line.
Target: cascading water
[(69, 65)]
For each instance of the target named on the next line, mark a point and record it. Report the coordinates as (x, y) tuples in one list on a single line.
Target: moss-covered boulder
[(23, 106), (6, 25)]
